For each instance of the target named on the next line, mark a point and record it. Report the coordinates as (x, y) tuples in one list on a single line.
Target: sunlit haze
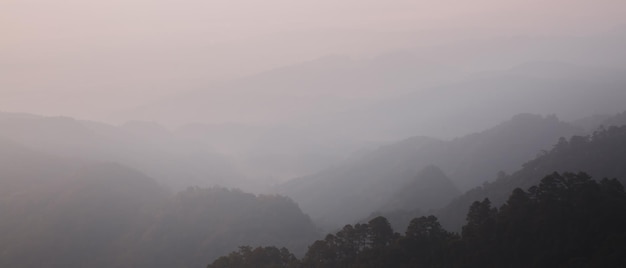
[(102, 59)]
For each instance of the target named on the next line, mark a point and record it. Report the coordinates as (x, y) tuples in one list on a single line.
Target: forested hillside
[(75, 211), (562, 219), (600, 154), (567, 220)]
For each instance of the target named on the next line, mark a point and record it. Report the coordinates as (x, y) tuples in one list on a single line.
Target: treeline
[(567, 220), (600, 154)]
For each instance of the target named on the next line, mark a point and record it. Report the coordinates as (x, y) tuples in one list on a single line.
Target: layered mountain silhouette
[(600, 154), (429, 188), (148, 147), (66, 213), (352, 191)]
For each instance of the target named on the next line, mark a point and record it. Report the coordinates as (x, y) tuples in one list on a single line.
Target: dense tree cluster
[(600, 154), (567, 220), (260, 257)]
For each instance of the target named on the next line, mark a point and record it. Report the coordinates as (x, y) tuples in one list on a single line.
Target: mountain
[(592, 123), (600, 154), (430, 188), (85, 219), (200, 224), (271, 154), (61, 212), (336, 82), (81, 194), (324, 85), (23, 168), (352, 191), (562, 219), (268, 121), (302, 118), (148, 147), (481, 100), (567, 220)]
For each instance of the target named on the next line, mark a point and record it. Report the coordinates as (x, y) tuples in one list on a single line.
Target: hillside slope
[(600, 154), (352, 191)]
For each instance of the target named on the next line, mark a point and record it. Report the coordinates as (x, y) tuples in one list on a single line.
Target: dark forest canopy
[(567, 220), (600, 154)]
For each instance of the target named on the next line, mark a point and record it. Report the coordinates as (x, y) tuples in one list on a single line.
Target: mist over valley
[(312, 134)]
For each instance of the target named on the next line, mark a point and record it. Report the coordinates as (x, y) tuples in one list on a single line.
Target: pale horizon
[(95, 60)]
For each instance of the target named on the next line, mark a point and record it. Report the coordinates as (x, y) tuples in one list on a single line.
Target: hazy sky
[(91, 58)]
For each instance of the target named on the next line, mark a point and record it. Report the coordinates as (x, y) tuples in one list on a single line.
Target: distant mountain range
[(70, 212), (174, 162), (600, 154), (352, 191), (66, 200)]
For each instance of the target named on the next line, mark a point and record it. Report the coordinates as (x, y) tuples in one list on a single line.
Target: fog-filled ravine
[(312, 133)]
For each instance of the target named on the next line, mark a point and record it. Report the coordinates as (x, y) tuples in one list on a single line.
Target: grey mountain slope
[(592, 123), (69, 212), (351, 192), (23, 168), (158, 153), (601, 155), (327, 84), (428, 188), (465, 106), (567, 90)]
